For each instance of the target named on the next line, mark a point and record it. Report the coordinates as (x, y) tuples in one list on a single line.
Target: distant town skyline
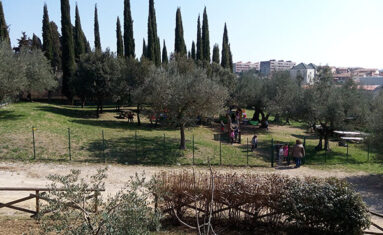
[(342, 33)]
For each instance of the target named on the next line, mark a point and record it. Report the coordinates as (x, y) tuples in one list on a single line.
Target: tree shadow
[(137, 150), (123, 124), (371, 189), (6, 115), (69, 112), (308, 137)]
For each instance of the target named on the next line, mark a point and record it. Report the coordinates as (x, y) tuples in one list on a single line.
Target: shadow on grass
[(68, 112), (141, 150), (123, 124), (6, 115)]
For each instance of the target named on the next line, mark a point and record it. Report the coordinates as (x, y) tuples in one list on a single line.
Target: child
[(232, 135), (285, 151), (254, 143), (280, 155), (222, 126)]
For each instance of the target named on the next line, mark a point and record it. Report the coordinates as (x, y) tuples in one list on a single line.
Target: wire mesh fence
[(160, 149)]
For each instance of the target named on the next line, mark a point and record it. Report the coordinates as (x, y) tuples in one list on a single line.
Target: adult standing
[(298, 153)]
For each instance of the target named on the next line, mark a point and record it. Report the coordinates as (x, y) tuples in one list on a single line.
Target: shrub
[(312, 204), (73, 211)]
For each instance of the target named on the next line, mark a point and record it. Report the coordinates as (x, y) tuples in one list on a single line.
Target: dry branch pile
[(261, 199)]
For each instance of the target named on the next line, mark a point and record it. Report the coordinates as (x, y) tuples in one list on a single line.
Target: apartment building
[(240, 66), (268, 67)]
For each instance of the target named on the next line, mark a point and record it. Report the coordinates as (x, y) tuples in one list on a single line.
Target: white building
[(268, 67), (306, 72), (240, 67)]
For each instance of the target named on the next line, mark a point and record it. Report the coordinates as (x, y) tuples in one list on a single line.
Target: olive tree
[(327, 107), (27, 71), (184, 91), (94, 76)]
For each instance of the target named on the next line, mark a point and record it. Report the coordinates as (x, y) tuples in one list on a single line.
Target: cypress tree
[(97, 40), (179, 41), (79, 37), (128, 31), (225, 62), (165, 59), (205, 37), (56, 46), (193, 52), (68, 61), (120, 43), (144, 49), (47, 36), (216, 54), (199, 41), (36, 42), (230, 59), (4, 34), (153, 51)]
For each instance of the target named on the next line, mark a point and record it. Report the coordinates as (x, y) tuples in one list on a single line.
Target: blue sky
[(334, 32)]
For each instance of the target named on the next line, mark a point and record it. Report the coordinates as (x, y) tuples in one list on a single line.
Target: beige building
[(240, 66)]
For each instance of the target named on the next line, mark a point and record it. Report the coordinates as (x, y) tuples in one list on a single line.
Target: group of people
[(297, 152)]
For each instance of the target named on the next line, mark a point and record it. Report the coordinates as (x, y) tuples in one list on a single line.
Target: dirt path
[(18, 174)]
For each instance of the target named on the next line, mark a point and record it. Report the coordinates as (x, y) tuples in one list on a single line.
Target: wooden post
[(70, 154), (220, 149), (34, 145), (95, 201), (368, 151), (135, 144), (272, 152), (37, 202), (247, 151), (103, 146), (347, 151), (193, 150)]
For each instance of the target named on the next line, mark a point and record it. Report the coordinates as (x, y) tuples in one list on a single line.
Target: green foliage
[(97, 40), (36, 43), (165, 58), (25, 72), (57, 47), (199, 41), (129, 44), (68, 55), (305, 204), (216, 54), (193, 51), (226, 53), (4, 34), (47, 35), (120, 43), (205, 37), (94, 77), (144, 50), (153, 49), (127, 212), (375, 122), (185, 92), (79, 37), (179, 42)]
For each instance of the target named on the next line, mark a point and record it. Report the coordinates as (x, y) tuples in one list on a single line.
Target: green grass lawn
[(128, 143)]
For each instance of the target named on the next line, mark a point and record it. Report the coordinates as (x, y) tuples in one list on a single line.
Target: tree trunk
[(256, 115), (98, 111), (326, 143), (287, 120), (182, 143), (277, 118), (138, 115), (320, 144), (82, 102)]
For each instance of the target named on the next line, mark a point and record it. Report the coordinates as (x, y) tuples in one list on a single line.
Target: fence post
[(347, 151), (193, 150), (70, 154), (247, 151), (368, 152), (103, 146), (325, 156), (164, 153), (135, 145), (272, 152), (34, 145), (304, 146), (220, 149)]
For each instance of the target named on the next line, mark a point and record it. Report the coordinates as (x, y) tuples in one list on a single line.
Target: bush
[(73, 211), (310, 204)]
